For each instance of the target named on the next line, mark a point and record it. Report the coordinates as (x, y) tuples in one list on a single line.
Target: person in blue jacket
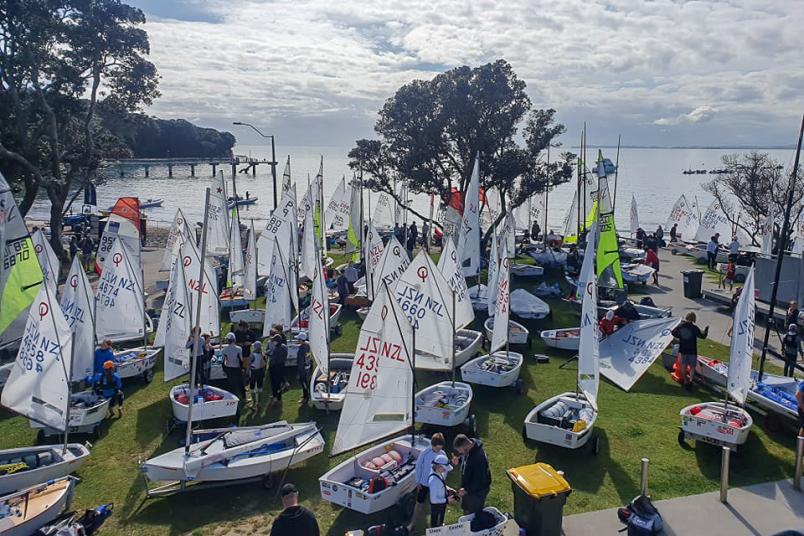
[(103, 354), (109, 385)]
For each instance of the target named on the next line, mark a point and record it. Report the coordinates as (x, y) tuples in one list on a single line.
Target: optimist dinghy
[(526, 305), (467, 344), (138, 361), (479, 295), (234, 455), (26, 511), (210, 403), (517, 333), (445, 404), (718, 423), (637, 273), (526, 270), (567, 420), (549, 257), (25, 467), (87, 412), (339, 369), (563, 339), (297, 325)]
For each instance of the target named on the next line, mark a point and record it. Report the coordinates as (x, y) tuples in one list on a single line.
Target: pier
[(127, 165)]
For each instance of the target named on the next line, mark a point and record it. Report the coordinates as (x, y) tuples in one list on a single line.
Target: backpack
[(641, 517)]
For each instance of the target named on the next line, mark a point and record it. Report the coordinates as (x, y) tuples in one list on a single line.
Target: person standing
[(73, 247), (734, 248), (640, 237), (688, 334), (652, 260), (256, 373), (424, 467), (244, 337), (103, 354), (475, 473), (342, 284), (304, 367), (674, 232), (426, 236), (711, 253), (535, 231), (438, 490), (276, 368), (791, 315), (791, 344), (205, 365), (351, 276), (87, 247), (413, 231), (233, 366), (651, 242), (730, 276), (195, 345), (659, 234), (410, 245), (294, 520)]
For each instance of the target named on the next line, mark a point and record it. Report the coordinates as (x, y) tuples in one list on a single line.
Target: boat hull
[(545, 432), (251, 316), (478, 295), (526, 270), (226, 406), (517, 333), (562, 339), (84, 419), (468, 343), (330, 401), (444, 416), (37, 506), (708, 425), (137, 365), (334, 488), (526, 305), (64, 464), (473, 371)]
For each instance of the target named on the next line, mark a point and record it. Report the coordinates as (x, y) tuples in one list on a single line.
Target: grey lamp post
[(273, 153)]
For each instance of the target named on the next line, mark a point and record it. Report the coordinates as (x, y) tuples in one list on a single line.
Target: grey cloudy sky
[(315, 72)]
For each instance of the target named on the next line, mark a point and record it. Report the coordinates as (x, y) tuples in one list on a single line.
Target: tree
[(751, 187), (60, 60), (430, 131)]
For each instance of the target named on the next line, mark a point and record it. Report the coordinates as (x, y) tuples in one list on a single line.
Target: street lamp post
[(273, 154)]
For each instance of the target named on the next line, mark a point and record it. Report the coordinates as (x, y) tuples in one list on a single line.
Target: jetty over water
[(128, 165)]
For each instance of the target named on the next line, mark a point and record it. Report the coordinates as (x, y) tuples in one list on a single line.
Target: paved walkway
[(759, 510)]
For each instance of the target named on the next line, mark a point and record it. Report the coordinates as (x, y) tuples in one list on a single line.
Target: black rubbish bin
[(540, 493), (692, 283)]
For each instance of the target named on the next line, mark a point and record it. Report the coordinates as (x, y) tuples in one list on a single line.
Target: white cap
[(230, 336), (302, 336)]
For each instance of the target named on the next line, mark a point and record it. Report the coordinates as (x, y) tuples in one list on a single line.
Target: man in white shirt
[(734, 248), (711, 253)]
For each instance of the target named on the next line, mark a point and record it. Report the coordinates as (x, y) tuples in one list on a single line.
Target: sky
[(315, 72)]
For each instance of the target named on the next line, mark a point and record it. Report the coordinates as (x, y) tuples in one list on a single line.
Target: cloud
[(295, 65), (698, 115)]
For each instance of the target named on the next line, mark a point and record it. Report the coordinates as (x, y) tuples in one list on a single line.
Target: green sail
[(20, 273), (608, 251)]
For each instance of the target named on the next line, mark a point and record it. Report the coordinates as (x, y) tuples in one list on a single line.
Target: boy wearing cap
[(304, 367), (109, 385), (439, 492), (294, 520), (424, 467), (232, 360)]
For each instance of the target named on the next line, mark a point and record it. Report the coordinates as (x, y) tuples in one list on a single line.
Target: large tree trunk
[(28, 198), (57, 195)]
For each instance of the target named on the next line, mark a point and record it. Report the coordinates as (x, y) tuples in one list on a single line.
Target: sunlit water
[(653, 176)]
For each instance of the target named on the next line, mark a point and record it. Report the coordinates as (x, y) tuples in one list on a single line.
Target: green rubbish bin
[(693, 280), (540, 493)]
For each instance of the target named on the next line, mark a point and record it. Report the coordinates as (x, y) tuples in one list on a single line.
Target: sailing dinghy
[(378, 405), (567, 420), (498, 368), (27, 466), (26, 511), (719, 423), (562, 339), (328, 391), (517, 333), (526, 305)]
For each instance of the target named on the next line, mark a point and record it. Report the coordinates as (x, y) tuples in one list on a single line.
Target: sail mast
[(196, 327)]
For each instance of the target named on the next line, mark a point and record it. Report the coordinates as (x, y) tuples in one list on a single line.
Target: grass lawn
[(642, 423)]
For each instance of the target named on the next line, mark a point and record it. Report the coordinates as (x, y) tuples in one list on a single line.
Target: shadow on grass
[(152, 422)]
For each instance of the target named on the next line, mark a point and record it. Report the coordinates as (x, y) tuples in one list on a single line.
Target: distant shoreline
[(719, 148)]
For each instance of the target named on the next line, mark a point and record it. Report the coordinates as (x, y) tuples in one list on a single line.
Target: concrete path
[(759, 510)]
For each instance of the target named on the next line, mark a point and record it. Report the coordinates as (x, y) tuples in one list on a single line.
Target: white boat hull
[(251, 316), (637, 273), (549, 257), (169, 467), (526, 270), (517, 333), (475, 372), (138, 364), (334, 488), (334, 316), (83, 420), (332, 401), (526, 305), (710, 426), (467, 344), (456, 415), (552, 434), (478, 295), (28, 510), (203, 411), (62, 464), (563, 339)]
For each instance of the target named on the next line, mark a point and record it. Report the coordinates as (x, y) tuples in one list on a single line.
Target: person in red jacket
[(652, 260), (609, 323)]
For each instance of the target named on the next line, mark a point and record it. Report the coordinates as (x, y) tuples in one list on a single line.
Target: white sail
[(502, 303), (277, 293), (634, 215), (509, 235), (522, 216), (218, 218), (122, 225), (286, 182), (628, 353), (282, 226), (426, 298), (713, 221), (571, 219), (119, 299), (493, 270), (685, 217), (310, 260), (250, 266), (179, 232), (379, 396), (589, 349), (742, 343), (47, 260), (337, 212), (492, 208), (190, 260), (38, 385), (354, 228), (767, 235), (537, 211), (306, 203), (451, 270), (373, 249), (236, 263), (451, 223), (393, 264), (318, 329), (469, 235), (178, 311), (78, 306), (384, 215)]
